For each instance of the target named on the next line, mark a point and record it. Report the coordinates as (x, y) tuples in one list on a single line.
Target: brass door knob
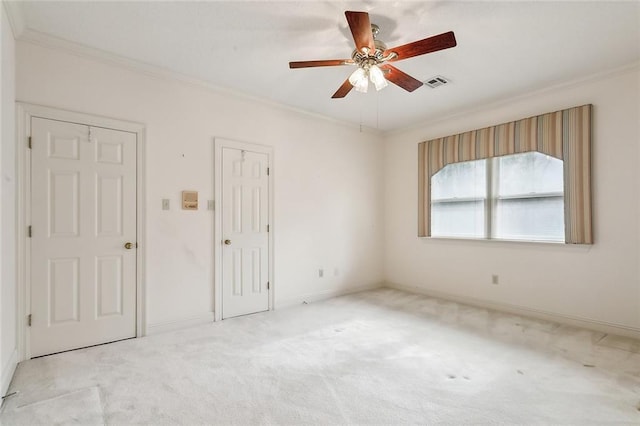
[(227, 242), (128, 246)]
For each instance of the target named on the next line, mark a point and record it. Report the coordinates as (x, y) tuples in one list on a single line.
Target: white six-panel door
[(245, 249), (83, 212)]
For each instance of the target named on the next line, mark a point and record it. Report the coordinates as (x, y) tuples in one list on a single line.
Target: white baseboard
[(7, 372), (163, 327), (605, 327), (323, 295)]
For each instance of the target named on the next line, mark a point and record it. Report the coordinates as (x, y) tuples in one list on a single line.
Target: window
[(528, 179), (513, 197)]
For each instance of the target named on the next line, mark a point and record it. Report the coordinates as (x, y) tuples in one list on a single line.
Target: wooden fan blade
[(343, 90), (400, 78), (361, 30), (327, 63), (421, 47)]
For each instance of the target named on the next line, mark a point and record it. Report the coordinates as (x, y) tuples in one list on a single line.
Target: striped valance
[(565, 135)]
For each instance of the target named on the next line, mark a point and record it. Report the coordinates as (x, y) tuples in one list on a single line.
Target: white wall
[(599, 283), (328, 202), (8, 354)]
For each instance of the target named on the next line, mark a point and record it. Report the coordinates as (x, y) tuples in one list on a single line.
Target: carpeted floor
[(378, 357)]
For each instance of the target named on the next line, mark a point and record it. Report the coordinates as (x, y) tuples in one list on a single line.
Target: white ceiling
[(504, 48)]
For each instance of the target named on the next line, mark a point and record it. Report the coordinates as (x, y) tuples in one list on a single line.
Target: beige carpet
[(378, 357)]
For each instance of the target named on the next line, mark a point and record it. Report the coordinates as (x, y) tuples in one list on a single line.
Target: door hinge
[(268, 285), (29, 320), (29, 142), (267, 171), (29, 231)]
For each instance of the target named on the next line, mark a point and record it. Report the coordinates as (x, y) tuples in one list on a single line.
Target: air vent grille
[(436, 81)]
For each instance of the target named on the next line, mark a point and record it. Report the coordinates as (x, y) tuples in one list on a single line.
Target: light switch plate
[(211, 205), (165, 204)]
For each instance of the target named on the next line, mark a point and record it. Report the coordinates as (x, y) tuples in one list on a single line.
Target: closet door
[(245, 249), (83, 247)]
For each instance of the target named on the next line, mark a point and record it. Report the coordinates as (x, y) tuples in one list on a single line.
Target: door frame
[(219, 144), (26, 111)]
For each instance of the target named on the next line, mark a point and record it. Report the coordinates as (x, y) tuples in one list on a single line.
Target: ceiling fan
[(372, 57)]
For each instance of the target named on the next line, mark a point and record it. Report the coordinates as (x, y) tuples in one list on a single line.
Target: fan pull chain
[(378, 110), (362, 112)]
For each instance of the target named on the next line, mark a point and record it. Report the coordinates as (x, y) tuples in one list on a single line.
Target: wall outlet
[(165, 204), (320, 273), (495, 279)]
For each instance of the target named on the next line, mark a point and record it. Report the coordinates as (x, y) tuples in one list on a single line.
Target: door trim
[(219, 144), (25, 111)]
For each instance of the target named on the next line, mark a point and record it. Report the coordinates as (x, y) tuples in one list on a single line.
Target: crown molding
[(15, 15), (56, 43), (612, 72)]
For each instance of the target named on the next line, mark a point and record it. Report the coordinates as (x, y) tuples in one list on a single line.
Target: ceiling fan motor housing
[(366, 58)]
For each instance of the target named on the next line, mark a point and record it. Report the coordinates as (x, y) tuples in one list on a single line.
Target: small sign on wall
[(189, 200)]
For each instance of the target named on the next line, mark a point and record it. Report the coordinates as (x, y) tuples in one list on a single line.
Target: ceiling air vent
[(436, 81)]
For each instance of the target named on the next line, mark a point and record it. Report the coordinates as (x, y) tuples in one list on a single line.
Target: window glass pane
[(458, 219), (539, 218), (525, 201), (529, 173), (460, 180)]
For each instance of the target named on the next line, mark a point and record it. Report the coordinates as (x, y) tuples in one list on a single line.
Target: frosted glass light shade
[(359, 80), (377, 77)]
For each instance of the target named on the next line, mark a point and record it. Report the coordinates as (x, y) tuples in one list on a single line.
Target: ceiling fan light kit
[(371, 56), (359, 79)]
